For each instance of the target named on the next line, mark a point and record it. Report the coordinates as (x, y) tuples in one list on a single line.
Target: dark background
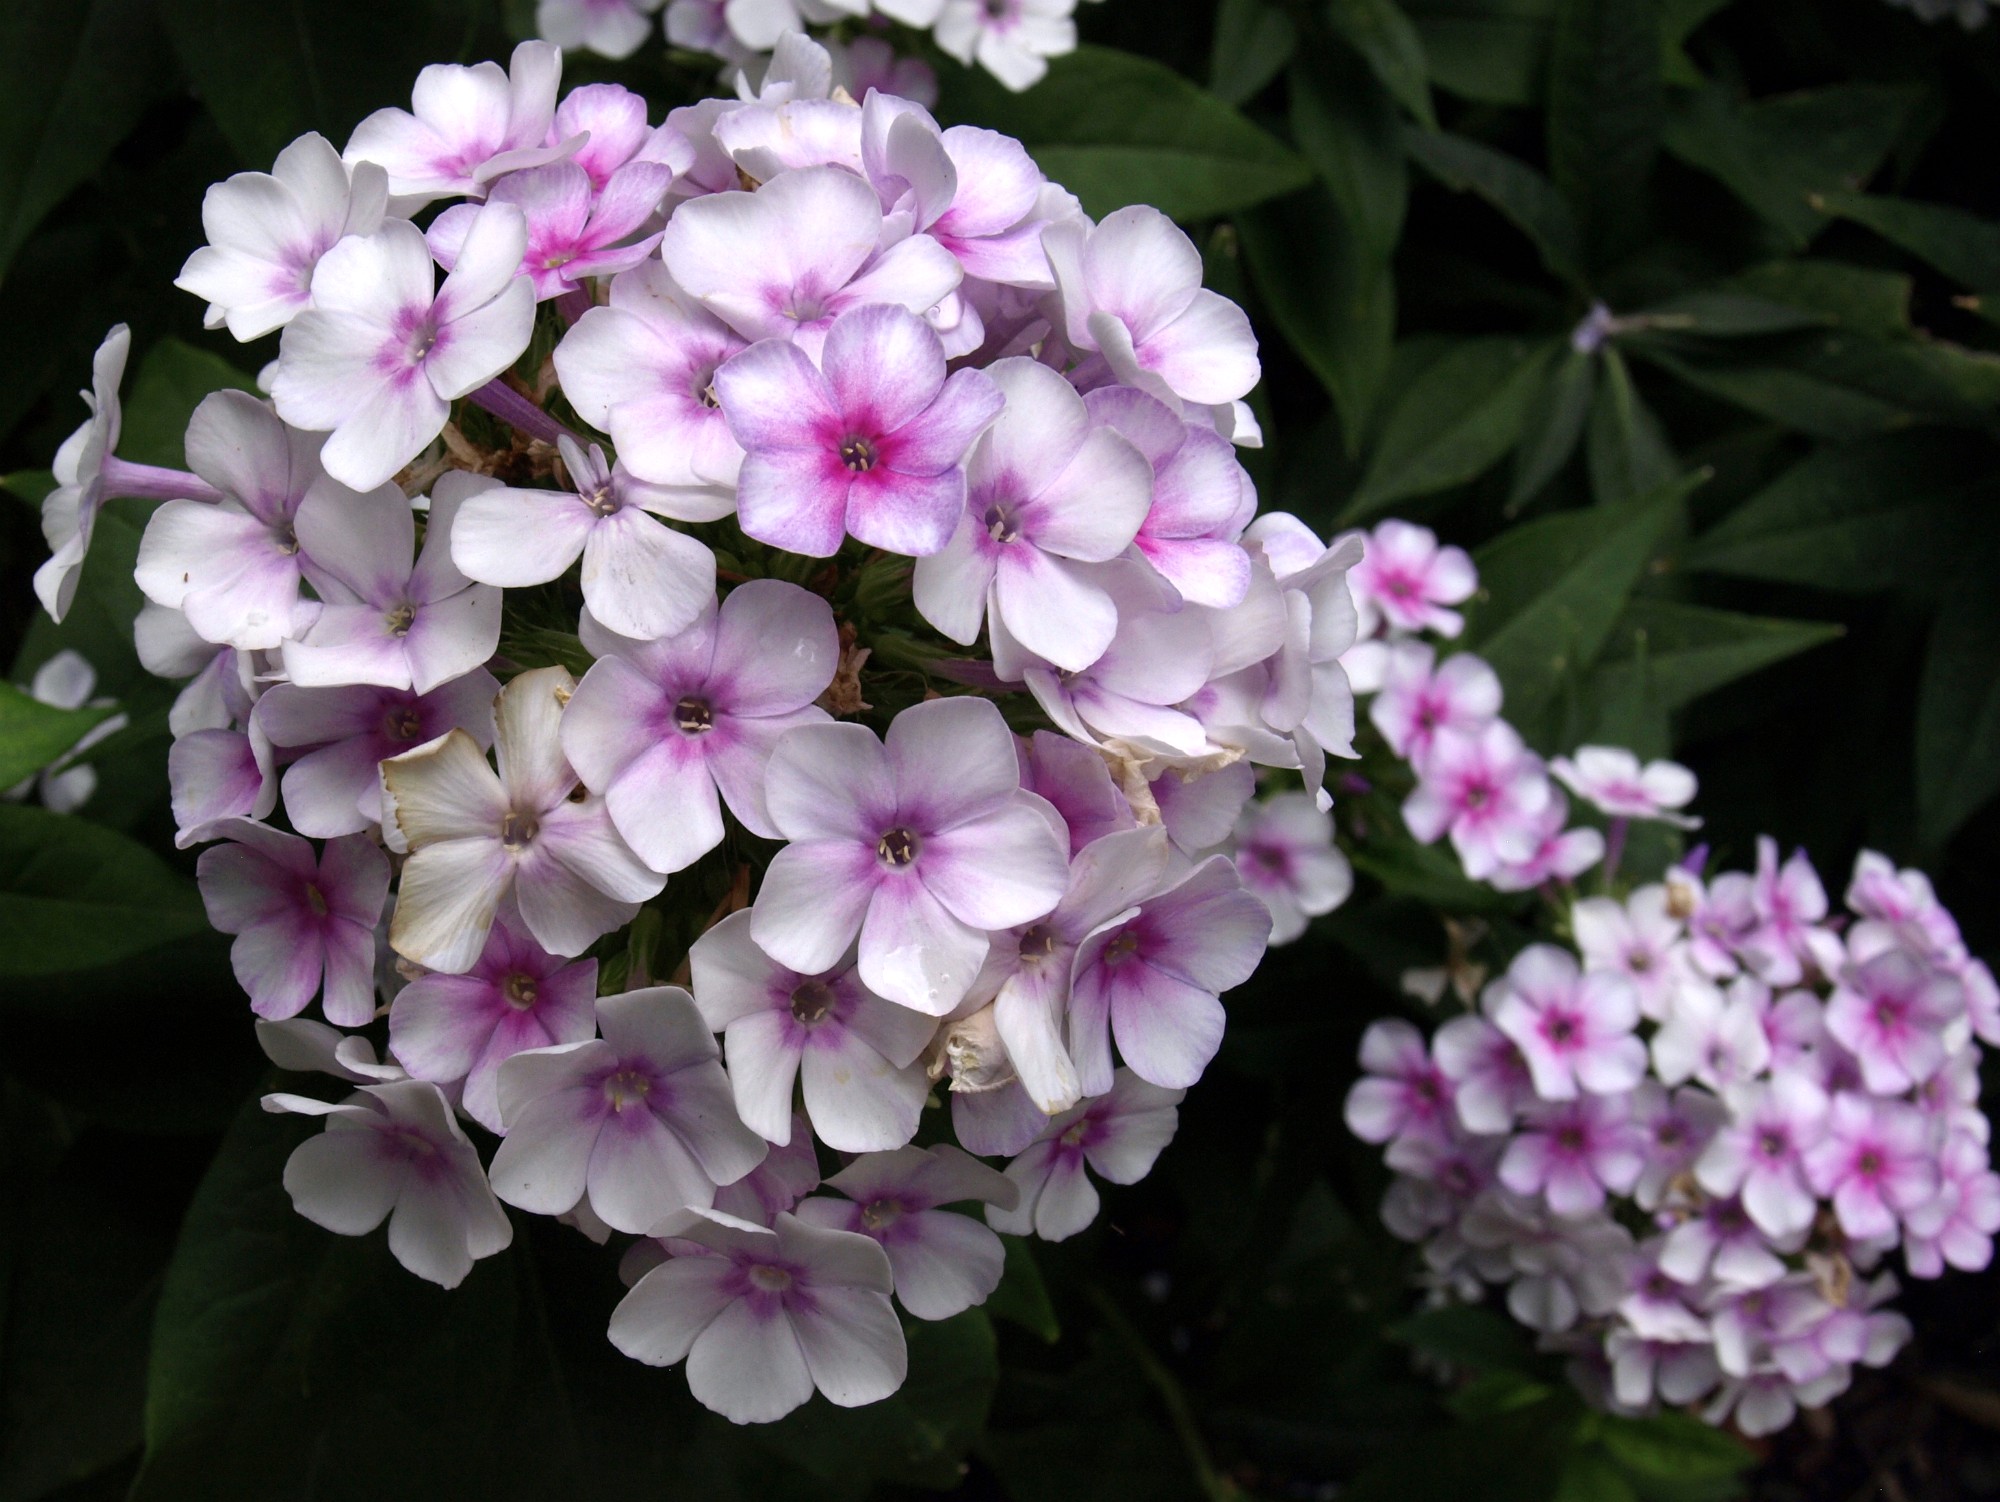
[(1239, 1324)]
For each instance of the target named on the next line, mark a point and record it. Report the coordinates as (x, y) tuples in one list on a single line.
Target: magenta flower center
[(770, 1279), (520, 991), (859, 455), (878, 1214), (402, 724), (1772, 1143), (897, 848), (1121, 948), (1038, 942), (1001, 524), (518, 830), (811, 1001), (626, 1088), (693, 716)]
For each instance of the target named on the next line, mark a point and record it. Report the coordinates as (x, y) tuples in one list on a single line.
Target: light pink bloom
[(1761, 1152), (301, 922), (786, 261), (1407, 581), (976, 192), (1402, 1092), (1491, 1077), (1284, 852), (394, 1151), (640, 579), (459, 1029), (234, 566), (1078, 784), (1027, 970), (469, 126), (643, 369), (1611, 780), (388, 620), (610, 28), (942, 1262), (1048, 495), (1903, 902), (870, 445), (1011, 39), (1421, 697), (857, 1054), (1119, 1134), (1789, 941), (576, 230), (381, 355), (1956, 1225), (1573, 1153), (1721, 1241), (920, 845), (1131, 290), (1485, 789), (614, 121), (766, 1316), (1154, 981), (341, 736), (1677, 1126), (1874, 1163), (266, 232), (1201, 498), (1561, 854), (638, 1122), (1575, 1028), (659, 727), (1713, 1037), (1639, 936), (474, 835), (869, 62), (1895, 1013), (218, 774)]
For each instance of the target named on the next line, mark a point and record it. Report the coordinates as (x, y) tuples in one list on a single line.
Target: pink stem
[(514, 409), (149, 482)]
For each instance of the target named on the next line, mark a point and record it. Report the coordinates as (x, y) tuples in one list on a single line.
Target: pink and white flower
[(304, 924), (1119, 1134), (660, 727), (1574, 1027), (921, 846), (1407, 582), (768, 1315), (1485, 789), (637, 1123), (394, 1152), (576, 229), (870, 444), (465, 127), (610, 28), (855, 1054), (1283, 849), (943, 1262), (475, 835), (1611, 780)]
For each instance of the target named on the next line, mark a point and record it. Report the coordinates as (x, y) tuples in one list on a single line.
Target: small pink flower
[(1406, 580), (1403, 1092), (1874, 1163), (1119, 1134), (1485, 789), (871, 444), (1574, 1028), (1421, 697), (1955, 1226), (1611, 780), (1894, 1012), (1572, 1153)]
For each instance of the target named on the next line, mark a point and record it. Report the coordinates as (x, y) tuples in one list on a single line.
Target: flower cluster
[(1684, 1139), (541, 760), (1011, 39)]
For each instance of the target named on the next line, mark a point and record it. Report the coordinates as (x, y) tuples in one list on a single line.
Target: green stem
[(1214, 1485)]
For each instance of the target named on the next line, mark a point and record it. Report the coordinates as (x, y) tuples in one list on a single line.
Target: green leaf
[(1381, 33), (1590, 1477), (1428, 874), (917, 1437), (1627, 449), (1517, 190), (269, 73), (1670, 1446), (34, 734), (1880, 513), (1961, 245), (1680, 652), (1554, 589), (1776, 154), (76, 75), (1553, 426), (1678, 21), (1862, 299), (1116, 129), (1467, 1335), (29, 485), (1507, 1456), (172, 380), (74, 895), (1455, 421), (1254, 39), (1726, 314), (1958, 706), (1494, 51), (1606, 111), (288, 1361), (1347, 127), (1335, 305), (1022, 1296)]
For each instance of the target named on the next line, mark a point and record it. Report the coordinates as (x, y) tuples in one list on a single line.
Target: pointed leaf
[(1628, 452), (34, 734), (1958, 706), (1683, 651), (1606, 111), (1381, 33), (1554, 425), (1517, 190), (1254, 39), (75, 895)]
